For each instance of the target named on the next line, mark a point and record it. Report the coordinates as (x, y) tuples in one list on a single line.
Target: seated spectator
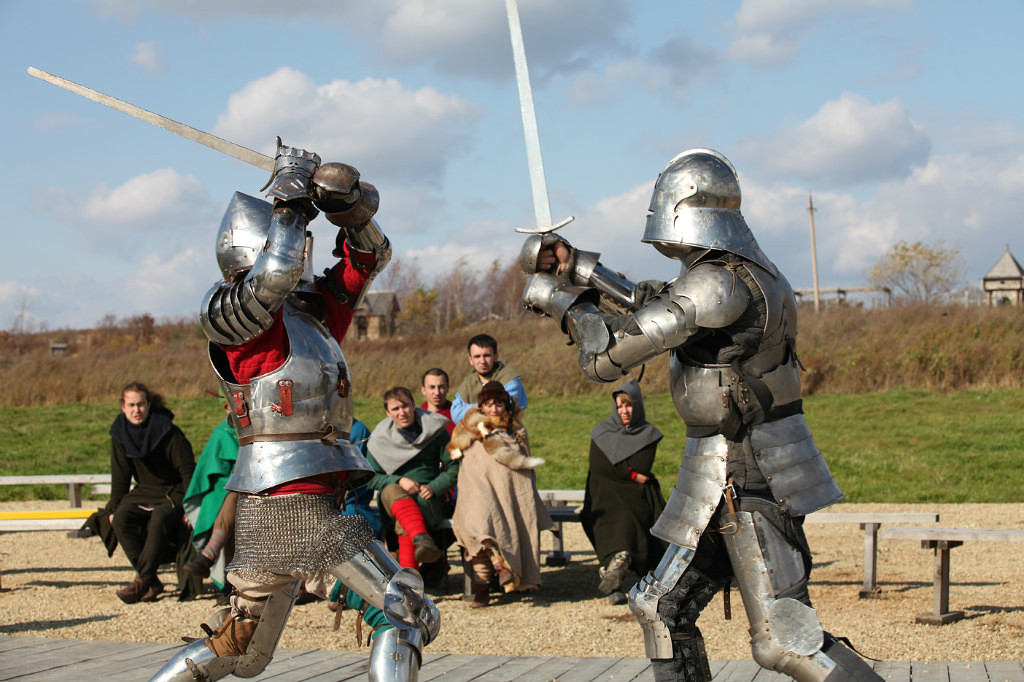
[(483, 358), (358, 500), (623, 498), (499, 516), (434, 387), (209, 507), (146, 446), (407, 450)]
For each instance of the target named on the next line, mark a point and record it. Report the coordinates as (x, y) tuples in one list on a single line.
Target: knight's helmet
[(696, 205), (242, 235)]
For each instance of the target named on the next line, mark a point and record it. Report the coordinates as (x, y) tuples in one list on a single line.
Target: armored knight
[(274, 333), (751, 470)]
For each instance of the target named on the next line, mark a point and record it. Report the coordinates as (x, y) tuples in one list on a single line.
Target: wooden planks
[(35, 659)]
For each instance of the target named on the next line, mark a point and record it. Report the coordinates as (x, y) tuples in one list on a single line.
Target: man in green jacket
[(407, 450)]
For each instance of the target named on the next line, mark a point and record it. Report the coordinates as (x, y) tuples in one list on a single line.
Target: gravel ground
[(54, 586)]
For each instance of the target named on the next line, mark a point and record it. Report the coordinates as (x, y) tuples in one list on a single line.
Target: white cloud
[(455, 37), (849, 140), (930, 205), (169, 282), (769, 32), (147, 199), (379, 126), (16, 300), (147, 55)]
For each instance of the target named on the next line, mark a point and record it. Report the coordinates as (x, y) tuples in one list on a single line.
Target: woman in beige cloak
[(498, 514)]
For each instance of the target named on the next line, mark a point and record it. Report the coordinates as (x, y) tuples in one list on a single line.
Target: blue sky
[(904, 119)]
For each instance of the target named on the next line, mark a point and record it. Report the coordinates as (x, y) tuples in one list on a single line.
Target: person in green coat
[(407, 450), (211, 518)]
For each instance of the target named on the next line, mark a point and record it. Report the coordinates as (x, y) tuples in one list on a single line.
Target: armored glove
[(532, 260), (293, 173), (575, 309), (646, 290)]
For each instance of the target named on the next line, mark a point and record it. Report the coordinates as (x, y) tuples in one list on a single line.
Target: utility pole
[(814, 254)]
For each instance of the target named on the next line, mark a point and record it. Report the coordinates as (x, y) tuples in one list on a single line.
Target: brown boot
[(154, 588), (481, 596), (427, 550), (133, 592), (232, 637)]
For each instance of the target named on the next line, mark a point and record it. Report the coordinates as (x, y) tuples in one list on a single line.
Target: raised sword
[(538, 182), (188, 132)]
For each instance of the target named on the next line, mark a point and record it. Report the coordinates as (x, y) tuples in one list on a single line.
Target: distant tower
[(1004, 283)]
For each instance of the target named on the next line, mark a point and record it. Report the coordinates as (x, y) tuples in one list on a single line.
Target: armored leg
[(199, 661), (666, 603), (785, 634), (375, 576)]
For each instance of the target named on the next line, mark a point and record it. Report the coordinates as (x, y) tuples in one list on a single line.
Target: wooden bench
[(557, 502), (72, 482), (561, 512), (870, 523), (940, 541)]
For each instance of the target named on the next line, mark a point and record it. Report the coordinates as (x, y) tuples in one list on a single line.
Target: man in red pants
[(413, 473)]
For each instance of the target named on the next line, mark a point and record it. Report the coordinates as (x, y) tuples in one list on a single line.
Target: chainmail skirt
[(298, 535)]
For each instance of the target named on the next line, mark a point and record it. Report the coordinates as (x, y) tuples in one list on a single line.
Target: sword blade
[(188, 132), (538, 182)]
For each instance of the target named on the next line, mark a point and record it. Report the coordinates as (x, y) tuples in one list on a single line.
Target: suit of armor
[(751, 469), (274, 335)]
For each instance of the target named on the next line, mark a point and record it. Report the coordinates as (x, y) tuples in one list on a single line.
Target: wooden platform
[(38, 659)]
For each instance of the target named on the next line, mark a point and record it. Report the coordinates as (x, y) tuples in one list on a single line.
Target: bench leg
[(557, 556), (870, 588), (74, 494), (940, 584)]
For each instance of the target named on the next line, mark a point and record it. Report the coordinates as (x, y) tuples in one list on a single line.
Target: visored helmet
[(696, 204), (243, 232)]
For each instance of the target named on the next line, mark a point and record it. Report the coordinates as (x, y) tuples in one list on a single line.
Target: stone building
[(1004, 283)]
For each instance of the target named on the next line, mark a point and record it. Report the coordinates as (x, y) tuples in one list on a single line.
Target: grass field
[(901, 446)]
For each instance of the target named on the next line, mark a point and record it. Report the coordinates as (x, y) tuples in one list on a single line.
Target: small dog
[(499, 436)]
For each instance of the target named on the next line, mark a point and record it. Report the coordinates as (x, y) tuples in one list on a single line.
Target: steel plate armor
[(294, 422), (751, 469)]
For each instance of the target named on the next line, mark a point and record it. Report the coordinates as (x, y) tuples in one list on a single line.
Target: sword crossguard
[(546, 230)]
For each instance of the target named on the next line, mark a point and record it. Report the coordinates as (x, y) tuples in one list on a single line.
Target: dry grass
[(844, 349)]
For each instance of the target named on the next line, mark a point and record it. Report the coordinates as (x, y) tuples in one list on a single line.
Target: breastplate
[(703, 392), (294, 422)]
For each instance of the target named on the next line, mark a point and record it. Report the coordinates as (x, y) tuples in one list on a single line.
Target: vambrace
[(661, 324), (589, 272), (279, 267), (368, 238)]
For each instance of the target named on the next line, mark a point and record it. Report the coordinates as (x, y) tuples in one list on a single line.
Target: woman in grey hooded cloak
[(623, 498)]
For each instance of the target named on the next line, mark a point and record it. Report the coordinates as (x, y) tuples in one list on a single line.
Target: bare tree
[(919, 273)]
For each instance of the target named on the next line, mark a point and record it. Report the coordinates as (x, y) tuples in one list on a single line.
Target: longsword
[(538, 183), (188, 132)]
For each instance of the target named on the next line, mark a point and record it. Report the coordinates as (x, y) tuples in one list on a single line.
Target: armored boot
[(611, 577), (232, 637), (689, 662)]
